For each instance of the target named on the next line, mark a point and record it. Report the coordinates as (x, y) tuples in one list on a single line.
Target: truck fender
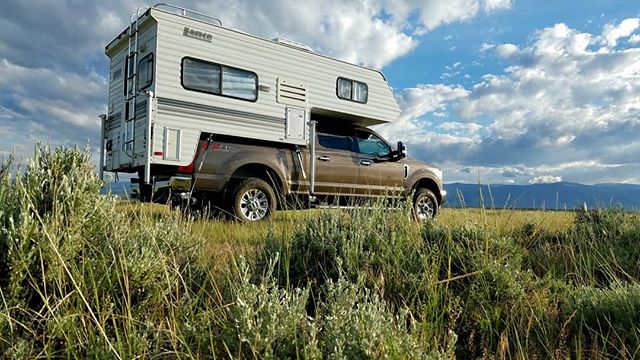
[(255, 169), (427, 179)]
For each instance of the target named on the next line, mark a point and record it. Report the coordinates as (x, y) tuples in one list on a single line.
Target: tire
[(425, 205), (252, 199)]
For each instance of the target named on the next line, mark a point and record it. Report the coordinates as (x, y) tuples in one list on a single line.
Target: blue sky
[(497, 91), (461, 41)]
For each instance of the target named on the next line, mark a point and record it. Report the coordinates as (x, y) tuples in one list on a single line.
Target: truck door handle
[(365, 162), (324, 158)]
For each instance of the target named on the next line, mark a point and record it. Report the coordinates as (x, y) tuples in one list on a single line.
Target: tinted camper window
[(211, 78), (352, 90), (201, 76), (239, 84), (145, 72)]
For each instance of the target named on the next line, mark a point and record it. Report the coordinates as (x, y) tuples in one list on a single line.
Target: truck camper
[(202, 111)]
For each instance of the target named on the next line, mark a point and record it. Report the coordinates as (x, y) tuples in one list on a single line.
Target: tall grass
[(84, 277)]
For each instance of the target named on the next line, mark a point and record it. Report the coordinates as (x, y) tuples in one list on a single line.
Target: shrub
[(81, 278), (607, 319)]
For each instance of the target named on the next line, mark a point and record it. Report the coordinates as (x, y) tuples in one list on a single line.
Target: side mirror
[(402, 150)]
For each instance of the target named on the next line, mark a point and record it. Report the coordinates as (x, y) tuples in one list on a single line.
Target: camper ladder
[(132, 85)]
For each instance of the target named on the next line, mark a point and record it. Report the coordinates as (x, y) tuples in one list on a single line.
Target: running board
[(342, 207)]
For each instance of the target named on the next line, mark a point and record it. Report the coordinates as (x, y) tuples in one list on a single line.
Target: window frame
[(221, 66), (353, 88), (150, 55)]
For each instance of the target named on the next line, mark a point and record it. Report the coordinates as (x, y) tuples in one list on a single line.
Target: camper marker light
[(158, 153)]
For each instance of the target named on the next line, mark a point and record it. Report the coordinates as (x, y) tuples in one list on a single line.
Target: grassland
[(83, 276)]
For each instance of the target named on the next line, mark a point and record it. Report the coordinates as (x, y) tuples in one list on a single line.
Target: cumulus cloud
[(433, 13), (39, 104), (564, 98), (612, 32), (545, 179)]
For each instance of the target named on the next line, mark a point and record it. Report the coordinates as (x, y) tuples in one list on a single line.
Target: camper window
[(216, 79), (200, 76), (145, 72), (352, 90), (344, 89), (239, 83)]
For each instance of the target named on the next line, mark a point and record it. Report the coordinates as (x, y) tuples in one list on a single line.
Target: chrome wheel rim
[(254, 204), (425, 208)]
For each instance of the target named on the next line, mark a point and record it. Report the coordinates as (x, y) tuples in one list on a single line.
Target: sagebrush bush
[(81, 279)]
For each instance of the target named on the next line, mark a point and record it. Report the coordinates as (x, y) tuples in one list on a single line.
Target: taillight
[(186, 169)]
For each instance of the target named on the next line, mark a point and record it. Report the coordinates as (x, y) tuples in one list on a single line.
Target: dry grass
[(225, 238)]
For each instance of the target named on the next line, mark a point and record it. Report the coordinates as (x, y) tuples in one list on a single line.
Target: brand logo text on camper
[(197, 34)]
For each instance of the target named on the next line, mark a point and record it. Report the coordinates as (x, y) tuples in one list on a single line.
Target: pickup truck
[(251, 179)]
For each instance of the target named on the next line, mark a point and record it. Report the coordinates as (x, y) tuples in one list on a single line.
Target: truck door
[(377, 175), (336, 164)]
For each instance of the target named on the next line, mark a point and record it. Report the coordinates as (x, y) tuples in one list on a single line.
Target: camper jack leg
[(312, 163), (146, 188)]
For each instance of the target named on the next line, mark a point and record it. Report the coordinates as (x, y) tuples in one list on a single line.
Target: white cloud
[(545, 179), (428, 98), (491, 5), (562, 100), (612, 33), (506, 50)]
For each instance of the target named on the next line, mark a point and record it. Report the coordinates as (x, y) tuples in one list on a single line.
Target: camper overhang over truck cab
[(178, 77)]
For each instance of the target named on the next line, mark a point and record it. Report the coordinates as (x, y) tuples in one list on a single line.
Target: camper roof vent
[(293, 43)]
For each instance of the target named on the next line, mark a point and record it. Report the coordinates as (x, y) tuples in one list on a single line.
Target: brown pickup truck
[(251, 180)]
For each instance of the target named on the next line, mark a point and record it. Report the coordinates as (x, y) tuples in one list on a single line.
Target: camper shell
[(176, 75)]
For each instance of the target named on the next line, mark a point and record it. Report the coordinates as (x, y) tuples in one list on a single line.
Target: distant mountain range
[(551, 196)]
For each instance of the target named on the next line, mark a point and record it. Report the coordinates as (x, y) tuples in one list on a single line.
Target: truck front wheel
[(425, 205), (253, 199)]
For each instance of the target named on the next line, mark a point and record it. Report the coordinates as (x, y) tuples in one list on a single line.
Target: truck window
[(372, 144), (330, 141), (216, 79)]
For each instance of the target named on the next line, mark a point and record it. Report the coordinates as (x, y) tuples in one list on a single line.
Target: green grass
[(83, 276)]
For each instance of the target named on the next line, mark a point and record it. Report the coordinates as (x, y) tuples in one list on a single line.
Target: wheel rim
[(425, 208), (254, 204)]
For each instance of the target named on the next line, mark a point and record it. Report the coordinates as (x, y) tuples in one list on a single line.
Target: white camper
[(176, 74)]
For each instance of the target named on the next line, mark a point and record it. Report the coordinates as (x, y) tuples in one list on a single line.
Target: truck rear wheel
[(425, 205), (253, 199)]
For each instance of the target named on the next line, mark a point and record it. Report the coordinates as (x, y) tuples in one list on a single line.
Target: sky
[(491, 91)]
